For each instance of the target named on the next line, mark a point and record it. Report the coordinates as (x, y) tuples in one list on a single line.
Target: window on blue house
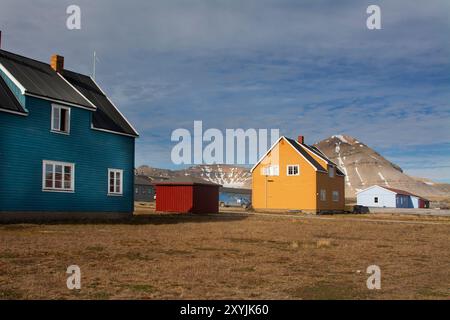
[(58, 176), (60, 119), (115, 177)]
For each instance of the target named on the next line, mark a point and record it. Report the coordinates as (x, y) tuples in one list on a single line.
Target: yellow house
[(295, 176)]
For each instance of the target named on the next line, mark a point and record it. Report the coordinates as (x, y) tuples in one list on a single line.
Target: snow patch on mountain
[(364, 167), (382, 178)]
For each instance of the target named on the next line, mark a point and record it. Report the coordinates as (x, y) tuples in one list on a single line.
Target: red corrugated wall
[(187, 198), (174, 198)]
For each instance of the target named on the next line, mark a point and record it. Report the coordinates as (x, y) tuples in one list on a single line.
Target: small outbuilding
[(187, 195), (387, 197), (144, 191)]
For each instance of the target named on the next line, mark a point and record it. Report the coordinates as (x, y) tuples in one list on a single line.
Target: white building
[(386, 197)]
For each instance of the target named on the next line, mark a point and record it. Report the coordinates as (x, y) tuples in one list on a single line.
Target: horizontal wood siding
[(27, 141), (144, 193)]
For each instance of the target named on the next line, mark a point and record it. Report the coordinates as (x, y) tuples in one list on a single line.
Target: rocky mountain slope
[(365, 167), (226, 175), (362, 165)]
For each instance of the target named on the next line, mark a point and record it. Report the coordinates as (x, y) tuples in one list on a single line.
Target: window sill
[(60, 132), (115, 194), (57, 190)]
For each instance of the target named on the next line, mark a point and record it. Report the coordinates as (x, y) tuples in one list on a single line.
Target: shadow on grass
[(17, 222)]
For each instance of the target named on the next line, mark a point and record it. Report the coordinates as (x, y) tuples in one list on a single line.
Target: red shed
[(187, 195)]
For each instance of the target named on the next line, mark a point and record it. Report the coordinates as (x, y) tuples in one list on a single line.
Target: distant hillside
[(362, 165), (226, 175), (365, 167)]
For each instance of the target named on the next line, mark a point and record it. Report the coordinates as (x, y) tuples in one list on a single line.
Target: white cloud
[(302, 66)]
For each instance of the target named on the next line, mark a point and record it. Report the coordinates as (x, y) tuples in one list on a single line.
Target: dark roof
[(403, 192), (142, 180), (185, 180), (7, 99), (107, 116), (236, 190), (40, 79), (323, 156), (302, 151)]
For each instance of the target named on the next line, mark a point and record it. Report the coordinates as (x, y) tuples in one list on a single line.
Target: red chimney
[(57, 63), (301, 139)]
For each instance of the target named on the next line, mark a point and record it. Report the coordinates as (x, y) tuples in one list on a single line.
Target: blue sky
[(305, 67)]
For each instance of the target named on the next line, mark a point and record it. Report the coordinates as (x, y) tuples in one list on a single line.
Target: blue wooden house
[(64, 146)]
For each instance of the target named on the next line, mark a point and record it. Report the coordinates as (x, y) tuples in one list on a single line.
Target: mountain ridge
[(365, 167), (362, 165)]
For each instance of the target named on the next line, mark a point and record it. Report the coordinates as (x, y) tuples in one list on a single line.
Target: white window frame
[(115, 192), (57, 107), (331, 171), (53, 188), (335, 196), (375, 200), (293, 166), (272, 170), (323, 195)]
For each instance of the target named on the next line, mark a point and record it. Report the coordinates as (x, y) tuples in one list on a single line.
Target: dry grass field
[(228, 256)]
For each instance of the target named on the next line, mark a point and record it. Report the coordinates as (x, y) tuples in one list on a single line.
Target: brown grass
[(228, 256)]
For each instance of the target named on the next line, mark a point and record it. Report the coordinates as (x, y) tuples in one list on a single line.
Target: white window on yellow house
[(336, 196), (323, 195), (272, 170), (293, 170), (331, 171)]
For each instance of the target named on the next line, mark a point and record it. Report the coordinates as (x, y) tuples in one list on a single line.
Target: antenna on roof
[(93, 67)]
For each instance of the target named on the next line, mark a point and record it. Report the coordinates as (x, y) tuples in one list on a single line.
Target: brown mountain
[(227, 175), (362, 165), (365, 167)]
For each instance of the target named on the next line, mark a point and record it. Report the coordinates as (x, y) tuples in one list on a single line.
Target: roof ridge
[(77, 73), (25, 57), (312, 161), (42, 62)]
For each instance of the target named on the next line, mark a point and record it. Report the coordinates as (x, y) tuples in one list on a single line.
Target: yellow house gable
[(286, 177), (302, 152), (274, 187)]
